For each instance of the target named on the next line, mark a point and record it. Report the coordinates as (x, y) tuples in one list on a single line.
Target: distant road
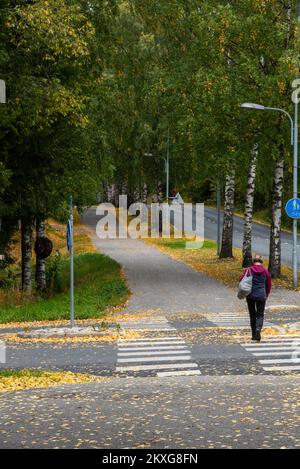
[(260, 236)]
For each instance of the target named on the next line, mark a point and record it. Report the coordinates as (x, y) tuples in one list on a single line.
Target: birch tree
[(249, 203), (227, 234), (275, 233)]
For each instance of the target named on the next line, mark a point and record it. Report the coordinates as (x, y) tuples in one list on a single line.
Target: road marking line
[(279, 360), (285, 336), (265, 349), (232, 320), (231, 316), (145, 328), (149, 340), (162, 374), (291, 339), (153, 326), (156, 367), (282, 368), (155, 359), (166, 347), (272, 354), (153, 354), (272, 344), (278, 342), (179, 342), (148, 323)]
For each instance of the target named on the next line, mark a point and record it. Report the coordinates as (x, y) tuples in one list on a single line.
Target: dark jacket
[(261, 285)]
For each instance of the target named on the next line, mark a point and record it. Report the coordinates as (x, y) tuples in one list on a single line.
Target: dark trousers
[(257, 314)]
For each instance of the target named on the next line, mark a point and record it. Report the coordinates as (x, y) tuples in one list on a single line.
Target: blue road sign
[(292, 208), (69, 228)]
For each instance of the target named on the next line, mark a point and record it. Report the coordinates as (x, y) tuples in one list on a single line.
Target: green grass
[(181, 243), (98, 285), (21, 373)]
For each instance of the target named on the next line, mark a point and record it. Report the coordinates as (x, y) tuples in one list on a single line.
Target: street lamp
[(294, 143), (260, 107)]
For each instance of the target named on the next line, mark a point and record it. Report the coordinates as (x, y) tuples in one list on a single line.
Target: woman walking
[(256, 300)]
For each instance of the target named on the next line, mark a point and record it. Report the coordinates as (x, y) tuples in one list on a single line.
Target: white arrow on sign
[(2, 92)]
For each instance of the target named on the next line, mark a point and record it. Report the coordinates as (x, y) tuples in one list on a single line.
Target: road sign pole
[(218, 217), (168, 167), (295, 195), (295, 181), (71, 264)]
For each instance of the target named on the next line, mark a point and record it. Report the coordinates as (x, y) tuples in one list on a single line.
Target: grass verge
[(205, 260), (15, 380), (98, 286)]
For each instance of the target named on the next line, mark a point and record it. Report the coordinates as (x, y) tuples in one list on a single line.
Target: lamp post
[(167, 161), (2, 101), (294, 143), (167, 165), (218, 217), (71, 248)]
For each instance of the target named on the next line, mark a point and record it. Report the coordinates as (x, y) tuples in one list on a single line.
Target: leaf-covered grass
[(15, 380), (98, 285)]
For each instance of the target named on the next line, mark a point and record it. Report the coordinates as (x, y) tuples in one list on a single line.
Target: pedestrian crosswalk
[(163, 353), (230, 320), (163, 356), (280, 353)]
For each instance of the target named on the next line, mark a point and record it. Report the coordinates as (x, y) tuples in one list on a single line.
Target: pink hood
[(260, 270)]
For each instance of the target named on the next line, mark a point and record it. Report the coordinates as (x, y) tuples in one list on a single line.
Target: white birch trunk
[(275, 235), (227, 234), (248, 217)]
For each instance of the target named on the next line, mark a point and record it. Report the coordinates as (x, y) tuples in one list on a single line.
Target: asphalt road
[(260, 237), (178, 412)]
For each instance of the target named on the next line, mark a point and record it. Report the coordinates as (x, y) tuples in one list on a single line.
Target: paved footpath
[(181, 412), (160, 283)]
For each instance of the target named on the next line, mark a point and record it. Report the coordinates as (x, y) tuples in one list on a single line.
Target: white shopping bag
[(245, 286)]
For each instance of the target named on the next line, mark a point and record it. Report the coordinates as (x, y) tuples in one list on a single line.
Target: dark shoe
[(257, 336)]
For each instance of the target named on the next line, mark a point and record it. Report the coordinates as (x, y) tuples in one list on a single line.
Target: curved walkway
[(160, 283)]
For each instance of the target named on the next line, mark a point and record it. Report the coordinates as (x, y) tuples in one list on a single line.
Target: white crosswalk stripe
[(159, 323), (166, 356), (277, 348), (159, 342), (153, 353), (230, 320)]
